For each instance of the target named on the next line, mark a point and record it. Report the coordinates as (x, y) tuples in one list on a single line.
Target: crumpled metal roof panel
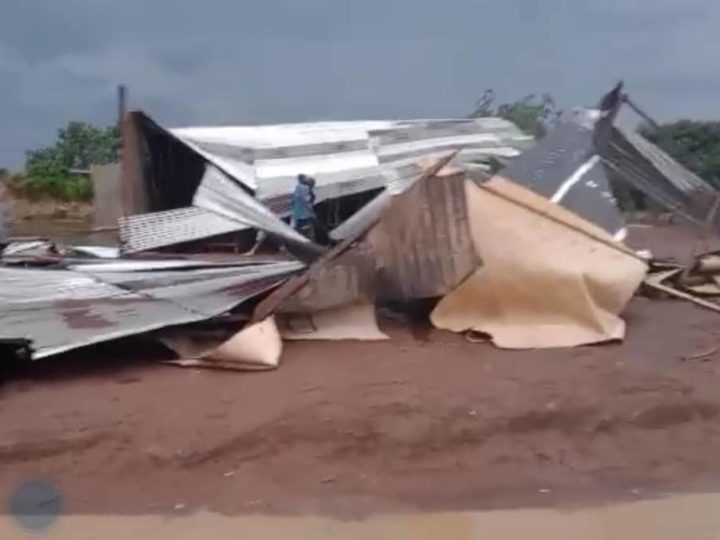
[(220, 194), (421, 245), (268, 158), (61, 310), (344, 158), (144, 232), (651, 170)]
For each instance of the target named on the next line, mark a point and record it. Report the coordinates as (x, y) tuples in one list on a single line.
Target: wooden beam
[(655, 281)]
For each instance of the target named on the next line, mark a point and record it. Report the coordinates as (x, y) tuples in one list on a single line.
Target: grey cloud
[(40, 29), (225, 61)]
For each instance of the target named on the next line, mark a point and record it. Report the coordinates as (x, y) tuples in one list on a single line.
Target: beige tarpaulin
[(351, 321), (255, 347), (548, 279)]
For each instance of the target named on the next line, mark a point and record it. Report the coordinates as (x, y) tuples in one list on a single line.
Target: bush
[(78, 146), (73, 188)]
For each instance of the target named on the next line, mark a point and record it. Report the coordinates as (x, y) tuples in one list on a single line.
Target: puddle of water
[(688, 517)]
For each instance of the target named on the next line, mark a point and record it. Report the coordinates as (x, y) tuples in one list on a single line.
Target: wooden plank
[(656, 282)]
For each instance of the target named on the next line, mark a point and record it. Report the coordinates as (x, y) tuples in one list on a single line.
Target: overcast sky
[(262, 61)]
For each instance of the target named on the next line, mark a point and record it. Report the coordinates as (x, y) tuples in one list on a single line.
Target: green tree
[(532, 113), (48, 171), (695, 144), (78, 146)]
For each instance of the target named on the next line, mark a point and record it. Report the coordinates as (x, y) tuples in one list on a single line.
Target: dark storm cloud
[(288, 60)]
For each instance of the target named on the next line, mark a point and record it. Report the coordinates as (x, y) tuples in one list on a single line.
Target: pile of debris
[(522, 245), (697, 282)]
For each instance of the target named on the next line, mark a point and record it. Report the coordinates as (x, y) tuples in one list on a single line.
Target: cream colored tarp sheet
[(548, 279), (256, 347)]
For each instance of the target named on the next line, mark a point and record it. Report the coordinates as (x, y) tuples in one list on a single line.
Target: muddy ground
[(427, 421)]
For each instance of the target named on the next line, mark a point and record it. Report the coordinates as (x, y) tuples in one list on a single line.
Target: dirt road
[(353, 428)]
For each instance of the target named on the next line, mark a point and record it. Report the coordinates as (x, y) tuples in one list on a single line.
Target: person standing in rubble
[(302, 217), (302, 213)]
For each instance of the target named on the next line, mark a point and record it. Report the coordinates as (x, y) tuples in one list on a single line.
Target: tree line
[(54, 171)]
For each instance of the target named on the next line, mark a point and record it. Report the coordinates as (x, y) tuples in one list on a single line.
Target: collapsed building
[(351, 162), (520, 241)]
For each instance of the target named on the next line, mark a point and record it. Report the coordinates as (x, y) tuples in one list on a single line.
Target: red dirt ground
[(351, 428)]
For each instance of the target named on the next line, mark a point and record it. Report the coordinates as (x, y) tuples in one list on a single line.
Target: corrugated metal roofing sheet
[(566, 167), (678, 175), (421, 246), (221, 206), (60, 310), (220, 194), (344, 157), (268, 158), (144, 232), (650, 170)]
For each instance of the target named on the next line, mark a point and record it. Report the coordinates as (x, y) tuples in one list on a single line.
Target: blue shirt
[(301, 202)]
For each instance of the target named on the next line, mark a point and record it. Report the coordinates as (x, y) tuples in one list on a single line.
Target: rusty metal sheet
[(270, 304), (421, 245), (340, 281), (61, 310)]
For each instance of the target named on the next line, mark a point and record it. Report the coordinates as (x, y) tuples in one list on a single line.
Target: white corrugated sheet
[(344, 158), (268, 158), (144, 232), (220, 194)]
